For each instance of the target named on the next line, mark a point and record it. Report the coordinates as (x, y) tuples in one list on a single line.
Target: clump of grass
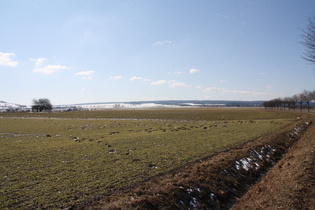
[(54, 163)]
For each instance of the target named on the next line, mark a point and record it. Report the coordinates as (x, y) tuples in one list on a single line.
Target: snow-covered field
[(144, 105), (5, 106), (124, 106)]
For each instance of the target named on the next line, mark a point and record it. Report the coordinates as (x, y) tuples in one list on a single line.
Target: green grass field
[(55, 160)]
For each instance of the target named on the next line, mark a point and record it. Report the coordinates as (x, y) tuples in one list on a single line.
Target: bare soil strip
[(218, 182)]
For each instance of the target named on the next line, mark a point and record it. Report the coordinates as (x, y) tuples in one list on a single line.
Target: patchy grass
[(57, 162), (208, 114)]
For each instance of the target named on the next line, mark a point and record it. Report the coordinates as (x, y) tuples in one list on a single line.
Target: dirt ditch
[(215, 182)]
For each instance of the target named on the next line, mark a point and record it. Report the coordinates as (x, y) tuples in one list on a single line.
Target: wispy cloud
[(223, 90), (86, 75), (116, 77), (210, 89), (162, 43), (134, 78), (5, 59), (223, 81), (193, 71), (170, 83), (38, 61), (83, 73), (178, 84), (159, 82), (222, 16), (269, 86), (49, 69)]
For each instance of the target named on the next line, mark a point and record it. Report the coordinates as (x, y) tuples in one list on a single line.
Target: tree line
[(297, 101)]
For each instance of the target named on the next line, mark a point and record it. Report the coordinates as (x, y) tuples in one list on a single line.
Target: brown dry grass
[(290, 184)]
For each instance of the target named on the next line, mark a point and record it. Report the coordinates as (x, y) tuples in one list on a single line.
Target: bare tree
[(313, 95), (301, 100), (309, 40), (42, 104), (290, 102), (307, 97), (278, 102), (295, 99)]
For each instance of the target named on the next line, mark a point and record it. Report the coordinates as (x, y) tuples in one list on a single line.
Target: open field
[(55, 160), (209, 114)]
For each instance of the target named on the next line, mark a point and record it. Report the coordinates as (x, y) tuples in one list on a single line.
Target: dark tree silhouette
[(309, 40), (306, 97), (42, 104)]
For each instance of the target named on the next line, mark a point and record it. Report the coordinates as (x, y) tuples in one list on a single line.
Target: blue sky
[(79, 51)]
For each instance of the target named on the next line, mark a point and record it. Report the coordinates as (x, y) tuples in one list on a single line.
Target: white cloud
[(81, 73), (116, 77), (223, 90), (49, 69), (193, 71), (214, 89), (178, 84), (223, 81), (159, 82), (5, 59), (162, 42), (134, 78), (39, 61), (171, 83)]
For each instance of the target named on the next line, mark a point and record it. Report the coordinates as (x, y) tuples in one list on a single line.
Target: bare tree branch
[(308, 37)]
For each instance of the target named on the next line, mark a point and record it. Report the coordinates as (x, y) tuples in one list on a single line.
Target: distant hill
[(168, 104), (6, 106), (186, 102)]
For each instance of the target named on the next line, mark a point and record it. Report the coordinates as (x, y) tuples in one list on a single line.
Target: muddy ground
[(245, 177)]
